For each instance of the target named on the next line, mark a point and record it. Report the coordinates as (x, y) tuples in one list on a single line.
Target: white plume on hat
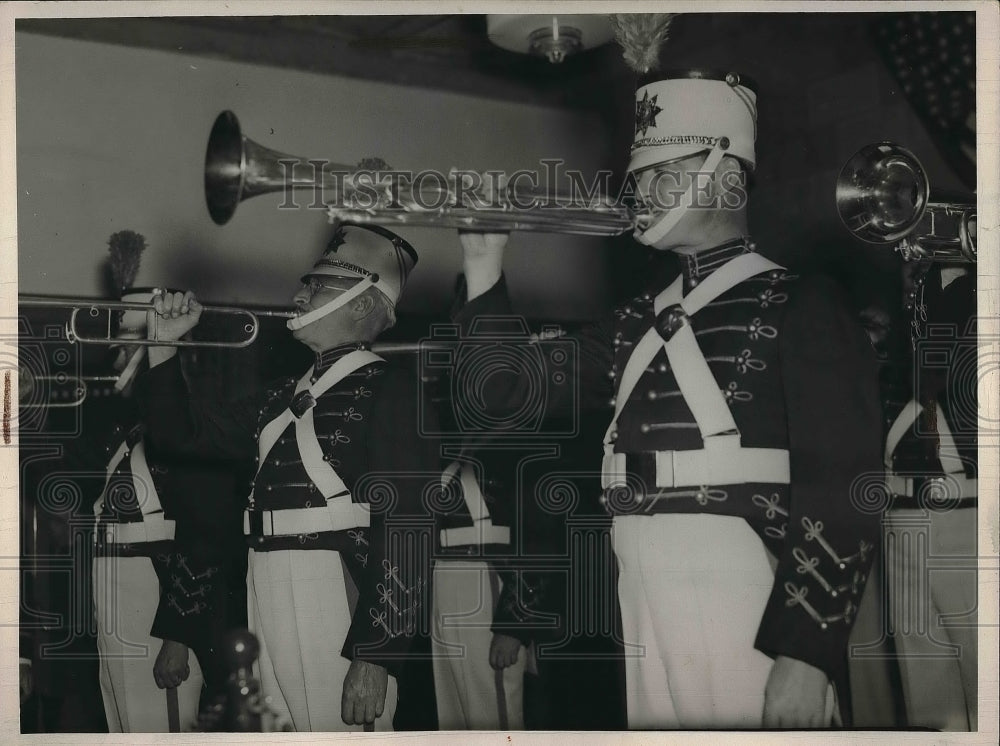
[(126, 249), (641, 35), (681, 113)]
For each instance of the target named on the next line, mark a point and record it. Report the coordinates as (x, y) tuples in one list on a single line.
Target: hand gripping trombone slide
[(94, 307)]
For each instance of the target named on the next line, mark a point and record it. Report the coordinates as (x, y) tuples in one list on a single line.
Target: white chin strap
[(317, 313), (129, 373), (659, 229)]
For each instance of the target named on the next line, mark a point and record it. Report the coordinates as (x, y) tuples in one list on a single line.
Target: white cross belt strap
[(482, 530), (948, 456), (109, 470), (153, 526), (722, 460), (319, 471), (896, 484)]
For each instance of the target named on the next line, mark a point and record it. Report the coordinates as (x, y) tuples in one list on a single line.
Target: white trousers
[(693, 589), (470, 694), (126, 594), (298, 608), (932, 601)]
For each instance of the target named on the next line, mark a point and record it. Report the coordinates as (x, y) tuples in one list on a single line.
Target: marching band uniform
[(476, 593), (329, 580), (931, 467), (745, 405), (155, 575)]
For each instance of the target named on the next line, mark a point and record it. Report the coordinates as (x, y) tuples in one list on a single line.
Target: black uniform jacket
[(369, 429), (198, 600), (798, 373), (945, 373)]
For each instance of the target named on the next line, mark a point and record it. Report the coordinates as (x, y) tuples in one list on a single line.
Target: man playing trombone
[(745, 407), (160, 591), (334, 589)]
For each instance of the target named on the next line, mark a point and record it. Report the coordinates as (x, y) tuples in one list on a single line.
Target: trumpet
[(237, 168), (883, 197), (95, 307)]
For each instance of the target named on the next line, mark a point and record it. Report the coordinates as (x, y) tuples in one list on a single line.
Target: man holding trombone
[(745, 408), (334, 588), (160, 586)]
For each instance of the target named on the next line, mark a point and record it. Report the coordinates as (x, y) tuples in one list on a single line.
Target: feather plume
[(641, 35), (126, 249)]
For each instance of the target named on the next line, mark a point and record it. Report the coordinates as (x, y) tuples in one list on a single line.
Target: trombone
[(237, 168), (95, 307), (883, 197), (79, 391)]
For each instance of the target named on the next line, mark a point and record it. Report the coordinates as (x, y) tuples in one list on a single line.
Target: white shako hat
[(679, 113), (363, 251), (373, 255)]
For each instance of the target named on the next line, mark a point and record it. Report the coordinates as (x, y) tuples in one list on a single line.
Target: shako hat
[(679, 113)]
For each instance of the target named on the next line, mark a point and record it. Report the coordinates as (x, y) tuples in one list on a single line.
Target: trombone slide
[(95, 308)]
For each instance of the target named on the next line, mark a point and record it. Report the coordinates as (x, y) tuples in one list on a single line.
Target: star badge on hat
[(337, 240), (645, 113)]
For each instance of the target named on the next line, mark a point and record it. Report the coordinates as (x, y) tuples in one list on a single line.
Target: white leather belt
[(903, 486), (708, 466), (899, 485), (139, 532), (481, 532), (722, 461), (338, 515)]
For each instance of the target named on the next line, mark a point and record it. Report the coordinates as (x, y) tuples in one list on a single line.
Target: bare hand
[(363, 700), (477, 245), (482, 260), (174, 315), (504, 650), (795, 695), (171, 667), (27, 681)]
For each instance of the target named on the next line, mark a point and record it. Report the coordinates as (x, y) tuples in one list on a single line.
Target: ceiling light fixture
[(551, 37)]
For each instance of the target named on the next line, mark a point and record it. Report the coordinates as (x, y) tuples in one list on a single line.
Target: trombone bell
[(883, 197), (237, 168), (882, 193)]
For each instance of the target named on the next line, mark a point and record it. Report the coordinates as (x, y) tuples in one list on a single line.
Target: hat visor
[(340, 273), (662, 155)]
